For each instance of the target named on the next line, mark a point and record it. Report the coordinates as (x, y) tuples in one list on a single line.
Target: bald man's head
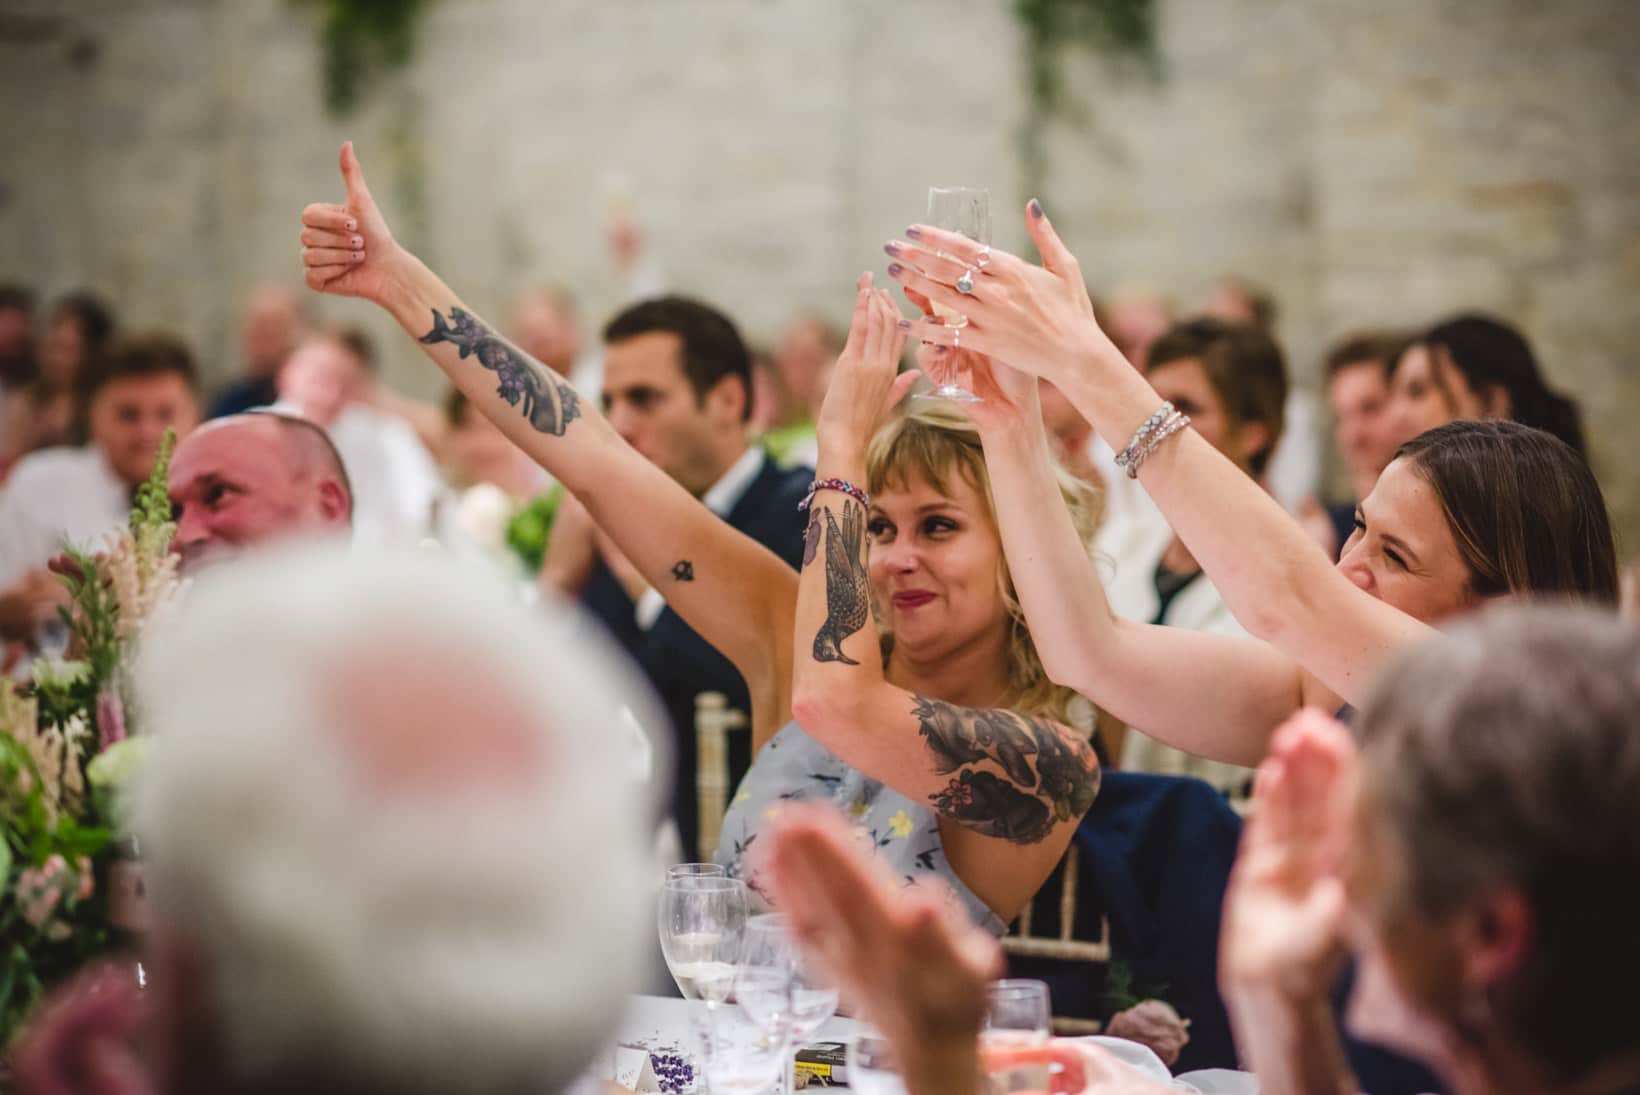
[(250, 479)]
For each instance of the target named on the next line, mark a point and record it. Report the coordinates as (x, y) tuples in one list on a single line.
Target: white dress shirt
[(395, 481), (57, 496), (721, 498)]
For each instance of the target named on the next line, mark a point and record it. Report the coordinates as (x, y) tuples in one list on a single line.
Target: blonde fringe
[(932, 440)]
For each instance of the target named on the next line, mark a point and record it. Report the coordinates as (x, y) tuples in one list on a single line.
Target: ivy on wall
[(359, 39), (1122, 32)]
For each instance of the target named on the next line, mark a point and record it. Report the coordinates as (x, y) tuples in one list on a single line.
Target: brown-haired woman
[(1430, 540)]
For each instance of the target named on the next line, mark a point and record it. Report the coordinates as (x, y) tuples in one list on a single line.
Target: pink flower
[(40, 889), (110, 718)]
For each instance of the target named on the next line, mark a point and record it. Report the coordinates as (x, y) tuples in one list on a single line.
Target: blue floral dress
[(793, 767)]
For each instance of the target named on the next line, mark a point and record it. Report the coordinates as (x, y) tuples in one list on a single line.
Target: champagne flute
[(966, 211), (1018, 1019), (701, 921)]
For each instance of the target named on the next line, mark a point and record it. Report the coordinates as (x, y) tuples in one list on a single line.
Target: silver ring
[(965, 284), (983, 259), (956, 338)]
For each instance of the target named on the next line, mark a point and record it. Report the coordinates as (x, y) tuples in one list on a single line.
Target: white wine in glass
[(701, 921)]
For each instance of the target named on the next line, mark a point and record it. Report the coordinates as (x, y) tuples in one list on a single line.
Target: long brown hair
[(935, 442), (1524, 508)]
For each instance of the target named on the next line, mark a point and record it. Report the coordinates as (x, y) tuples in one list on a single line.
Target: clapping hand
[(864, 385), (347, 249), (1006, 396)]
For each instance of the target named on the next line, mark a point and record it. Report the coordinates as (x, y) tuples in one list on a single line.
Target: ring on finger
[(965, 284), (983, 259)]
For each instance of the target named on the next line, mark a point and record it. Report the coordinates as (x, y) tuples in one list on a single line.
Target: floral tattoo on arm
[(1025, 801), (548, 403)]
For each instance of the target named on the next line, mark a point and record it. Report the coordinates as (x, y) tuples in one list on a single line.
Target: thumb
[(902, 384), (358, 194), (1055, 255)]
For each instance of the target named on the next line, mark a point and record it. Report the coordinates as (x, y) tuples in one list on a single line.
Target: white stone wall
[(1374, 163)]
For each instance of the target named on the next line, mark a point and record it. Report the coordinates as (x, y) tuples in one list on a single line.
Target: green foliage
[(152, 512), (530, 526), (1119, 31), (360, 39)]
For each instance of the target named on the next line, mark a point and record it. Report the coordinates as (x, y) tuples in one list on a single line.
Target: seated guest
[(1477, 853), (382, 851), (271, 327), (797, 373), (676, 381), (1477, 367), (476, 452), (1357, 373), (394, 479), (974, 776), (17, 362), (1232, 382), (249, 480), (51, 410), (73, 496)]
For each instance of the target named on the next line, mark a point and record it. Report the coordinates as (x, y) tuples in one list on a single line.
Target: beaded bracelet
[(1173, 425), (842, 485), (1142, 435)]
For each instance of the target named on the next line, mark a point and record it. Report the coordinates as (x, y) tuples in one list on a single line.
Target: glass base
[(951, 393)]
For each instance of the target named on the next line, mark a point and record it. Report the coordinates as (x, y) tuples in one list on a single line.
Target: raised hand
[(1285, 907), (908, 958), (348, 249), (864, 385), (1037, 318)]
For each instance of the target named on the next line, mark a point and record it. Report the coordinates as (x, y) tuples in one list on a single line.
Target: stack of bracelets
[(842, 485), (1148, 438)]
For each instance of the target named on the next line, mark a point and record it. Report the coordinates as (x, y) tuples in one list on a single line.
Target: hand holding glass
[(966, 211)]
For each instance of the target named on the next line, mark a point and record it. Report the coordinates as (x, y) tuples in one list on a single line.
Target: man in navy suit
[(677, 387)]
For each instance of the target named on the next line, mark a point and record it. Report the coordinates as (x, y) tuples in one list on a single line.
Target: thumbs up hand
[(348, 250)]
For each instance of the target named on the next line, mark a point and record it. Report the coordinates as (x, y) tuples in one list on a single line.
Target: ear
[(1251, 438), (1494, 936), (728, 398), (333, 502)]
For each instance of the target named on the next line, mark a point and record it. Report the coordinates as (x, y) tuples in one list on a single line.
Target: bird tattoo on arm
[(848, 605), (547, 402)]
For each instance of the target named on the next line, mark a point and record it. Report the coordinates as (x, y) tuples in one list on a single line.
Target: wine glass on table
[(966, 211), (1014, 1041), (701, 920), (871, 1066), (776, 985)]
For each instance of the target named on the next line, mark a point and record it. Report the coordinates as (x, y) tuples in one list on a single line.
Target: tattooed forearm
[(811, 536), (548, 403), (683, 570), (1024, 803), (848, 604)]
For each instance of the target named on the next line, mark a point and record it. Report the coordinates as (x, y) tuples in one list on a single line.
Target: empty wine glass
[(764, 980), (966, 211), (738, 1055), (1018, 1021), (696, 870), (871, 1066), (702, 919)]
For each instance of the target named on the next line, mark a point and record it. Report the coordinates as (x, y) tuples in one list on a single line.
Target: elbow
[(817, 708)]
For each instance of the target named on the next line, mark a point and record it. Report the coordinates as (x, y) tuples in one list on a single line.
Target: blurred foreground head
[(388, 834)]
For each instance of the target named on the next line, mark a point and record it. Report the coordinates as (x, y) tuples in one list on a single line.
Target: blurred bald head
[(384, 854), (273, 323), (251, 479)]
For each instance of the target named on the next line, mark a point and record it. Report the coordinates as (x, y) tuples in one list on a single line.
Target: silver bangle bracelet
[(1143, 434), (1173, 425)]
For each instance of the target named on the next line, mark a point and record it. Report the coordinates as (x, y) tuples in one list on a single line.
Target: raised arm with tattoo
[(1275, 581), (725, 585), (991, 772)]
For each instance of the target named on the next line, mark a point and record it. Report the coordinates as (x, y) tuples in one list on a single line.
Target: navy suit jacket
[(678, 662)]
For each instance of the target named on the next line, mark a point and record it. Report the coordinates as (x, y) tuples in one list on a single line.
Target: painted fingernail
[(912, 233), (904, 325), (358, 256), (352, 225), (895, 269), (891, 247), (358, 241), (1036, 209)]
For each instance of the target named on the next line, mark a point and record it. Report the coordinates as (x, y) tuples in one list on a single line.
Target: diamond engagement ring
[(983, 259), (965, 284)]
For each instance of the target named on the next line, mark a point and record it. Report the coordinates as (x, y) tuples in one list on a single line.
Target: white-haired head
[(389, 812)]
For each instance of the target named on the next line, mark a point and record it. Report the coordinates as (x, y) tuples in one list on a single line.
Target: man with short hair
[(75, 495), (381, 850), (677, 388), (1357, 374), (252, 479)]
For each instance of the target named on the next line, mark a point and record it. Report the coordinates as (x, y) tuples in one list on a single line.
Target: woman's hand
[(1007, 396), (1037, 318), (348, 249), (1285, 906), (864, 387), (908, 958)]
